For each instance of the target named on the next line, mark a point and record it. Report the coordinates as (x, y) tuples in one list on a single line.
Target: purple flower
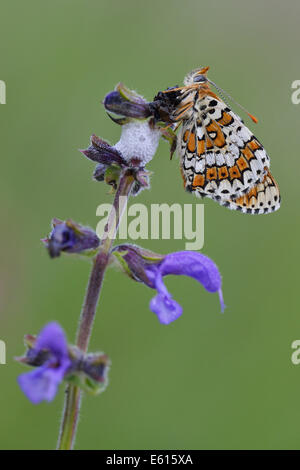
[(42, 383), (187, 263), (150, 269)]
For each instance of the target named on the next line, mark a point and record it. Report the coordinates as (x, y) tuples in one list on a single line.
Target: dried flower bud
[(95, 366), (89, 371), (126, 103), (71, 237), (142, 181), (99, 172), (102, 152)]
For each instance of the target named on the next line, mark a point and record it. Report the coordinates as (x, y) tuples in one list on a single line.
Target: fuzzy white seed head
[(138, 141)]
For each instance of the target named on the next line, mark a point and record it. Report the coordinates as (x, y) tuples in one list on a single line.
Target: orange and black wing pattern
[(261, 199), (220, 158)]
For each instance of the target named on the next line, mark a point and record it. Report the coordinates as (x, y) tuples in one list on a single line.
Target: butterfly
[(220, 158)]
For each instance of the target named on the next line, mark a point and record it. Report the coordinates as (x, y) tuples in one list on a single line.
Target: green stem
[(70, 418), (73, 394)]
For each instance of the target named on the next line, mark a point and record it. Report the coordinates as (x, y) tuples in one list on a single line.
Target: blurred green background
[(206, 381)]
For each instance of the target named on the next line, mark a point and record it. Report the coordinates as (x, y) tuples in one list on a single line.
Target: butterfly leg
[(169, 135)]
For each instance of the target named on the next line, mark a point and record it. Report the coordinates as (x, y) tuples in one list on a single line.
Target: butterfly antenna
[(221, 91)]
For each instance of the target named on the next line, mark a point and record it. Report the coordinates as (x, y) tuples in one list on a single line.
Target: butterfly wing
[(220, 157), (261, 199)]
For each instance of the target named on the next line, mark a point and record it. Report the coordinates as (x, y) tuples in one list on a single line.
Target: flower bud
[(102, 152), (71, 237), (89, 371), (96, 366), (126, 103), (133, 259)]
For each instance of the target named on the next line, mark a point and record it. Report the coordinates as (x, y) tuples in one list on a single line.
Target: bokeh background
[(207, 381)]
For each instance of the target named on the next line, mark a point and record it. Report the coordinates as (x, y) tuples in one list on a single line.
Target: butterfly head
[(196, 76)]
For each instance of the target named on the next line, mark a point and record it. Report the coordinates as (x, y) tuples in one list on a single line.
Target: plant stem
[(73, 394), (70, 418)]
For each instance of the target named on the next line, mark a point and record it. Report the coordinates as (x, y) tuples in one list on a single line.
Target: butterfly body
[(220, 158)]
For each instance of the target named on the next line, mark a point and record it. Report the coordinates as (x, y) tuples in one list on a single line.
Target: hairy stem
[(73, 394)]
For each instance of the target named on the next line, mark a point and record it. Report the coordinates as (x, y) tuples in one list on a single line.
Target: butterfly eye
[(199, 78)]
